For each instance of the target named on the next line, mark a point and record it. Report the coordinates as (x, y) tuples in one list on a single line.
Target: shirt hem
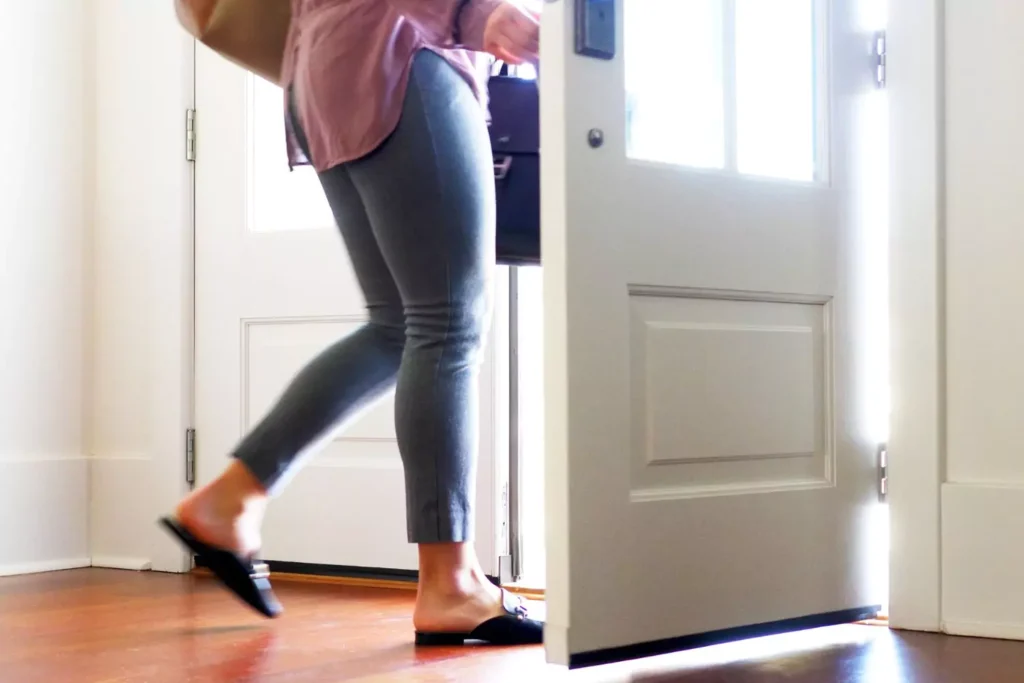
[(392, 125)]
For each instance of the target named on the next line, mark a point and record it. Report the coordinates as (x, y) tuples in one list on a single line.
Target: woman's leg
[(427, 197), (429, 194), (336, 385)]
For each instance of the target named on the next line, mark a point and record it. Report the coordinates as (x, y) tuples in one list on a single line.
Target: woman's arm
[(500, 27)]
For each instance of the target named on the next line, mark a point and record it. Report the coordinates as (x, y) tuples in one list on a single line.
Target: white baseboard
[(44, 567), (44, 513), (982, 560), (978, 629), (133, 564), (132, 485)]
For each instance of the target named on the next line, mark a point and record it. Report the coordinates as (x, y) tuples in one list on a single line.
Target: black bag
[(515, 140)]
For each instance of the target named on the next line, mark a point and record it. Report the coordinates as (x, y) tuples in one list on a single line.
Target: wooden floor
[(95, 626)]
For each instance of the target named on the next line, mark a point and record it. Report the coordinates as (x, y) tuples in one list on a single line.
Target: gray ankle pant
[(417, 218)]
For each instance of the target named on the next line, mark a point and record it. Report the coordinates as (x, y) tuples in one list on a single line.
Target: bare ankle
[(454, 593), (451, 573), (455, 583), (227, 512), (448, 563), (241, 483), (230, 494)]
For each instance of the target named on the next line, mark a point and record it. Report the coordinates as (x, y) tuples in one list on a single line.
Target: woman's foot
[(220, 525), (454, 593), (250, 582), (228, 512)]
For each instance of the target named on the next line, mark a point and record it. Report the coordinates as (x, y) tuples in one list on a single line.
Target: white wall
[(983, 498), (143, 281), (45, 182)]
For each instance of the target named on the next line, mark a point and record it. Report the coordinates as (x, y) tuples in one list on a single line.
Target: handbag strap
[(500, 68)]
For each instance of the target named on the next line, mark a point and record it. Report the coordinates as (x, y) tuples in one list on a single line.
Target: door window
[(730, 85)]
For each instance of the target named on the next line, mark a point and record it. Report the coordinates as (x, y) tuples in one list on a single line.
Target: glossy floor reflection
[(95, 626)]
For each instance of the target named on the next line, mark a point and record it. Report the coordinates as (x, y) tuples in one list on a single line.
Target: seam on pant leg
[(437, 376), (414, 82)]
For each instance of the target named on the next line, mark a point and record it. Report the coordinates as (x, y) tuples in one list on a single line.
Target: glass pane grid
[(729, 85)]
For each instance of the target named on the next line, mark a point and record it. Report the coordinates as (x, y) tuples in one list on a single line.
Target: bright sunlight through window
[(279, 199), (730, 85)]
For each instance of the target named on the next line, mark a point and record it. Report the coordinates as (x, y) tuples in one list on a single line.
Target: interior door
[(273, 288), (713, 205)]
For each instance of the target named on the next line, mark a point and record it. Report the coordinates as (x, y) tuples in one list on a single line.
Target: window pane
[(775, 88), (279, 199), (673, 54)]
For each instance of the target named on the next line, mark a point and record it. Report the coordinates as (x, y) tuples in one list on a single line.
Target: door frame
[(140, 246), (917, 432), (915, 42)]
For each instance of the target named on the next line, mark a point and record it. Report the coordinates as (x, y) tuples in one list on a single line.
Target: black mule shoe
[(513, 628), (250, 582)]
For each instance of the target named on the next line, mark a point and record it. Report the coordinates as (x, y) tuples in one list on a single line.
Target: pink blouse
[(348, 62)]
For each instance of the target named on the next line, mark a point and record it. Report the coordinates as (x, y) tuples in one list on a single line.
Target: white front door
[(714, 244), (273, 288)]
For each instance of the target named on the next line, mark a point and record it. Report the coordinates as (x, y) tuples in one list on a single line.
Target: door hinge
[(508, 563), (505, 574), (880, 53), (190, 135), (505, 519), (190, 456), (883, 472)]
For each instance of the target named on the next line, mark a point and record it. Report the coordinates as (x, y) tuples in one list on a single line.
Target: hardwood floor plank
[(101, 626)]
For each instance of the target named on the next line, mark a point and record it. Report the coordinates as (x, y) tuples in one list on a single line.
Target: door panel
[(709, 436), (274, 287)]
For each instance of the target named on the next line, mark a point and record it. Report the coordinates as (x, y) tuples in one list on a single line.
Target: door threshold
[(361, 577), (525, 591), (304, 572), (350, 581)]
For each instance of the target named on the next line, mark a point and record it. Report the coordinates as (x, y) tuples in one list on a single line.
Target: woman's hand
[(512, 34)]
